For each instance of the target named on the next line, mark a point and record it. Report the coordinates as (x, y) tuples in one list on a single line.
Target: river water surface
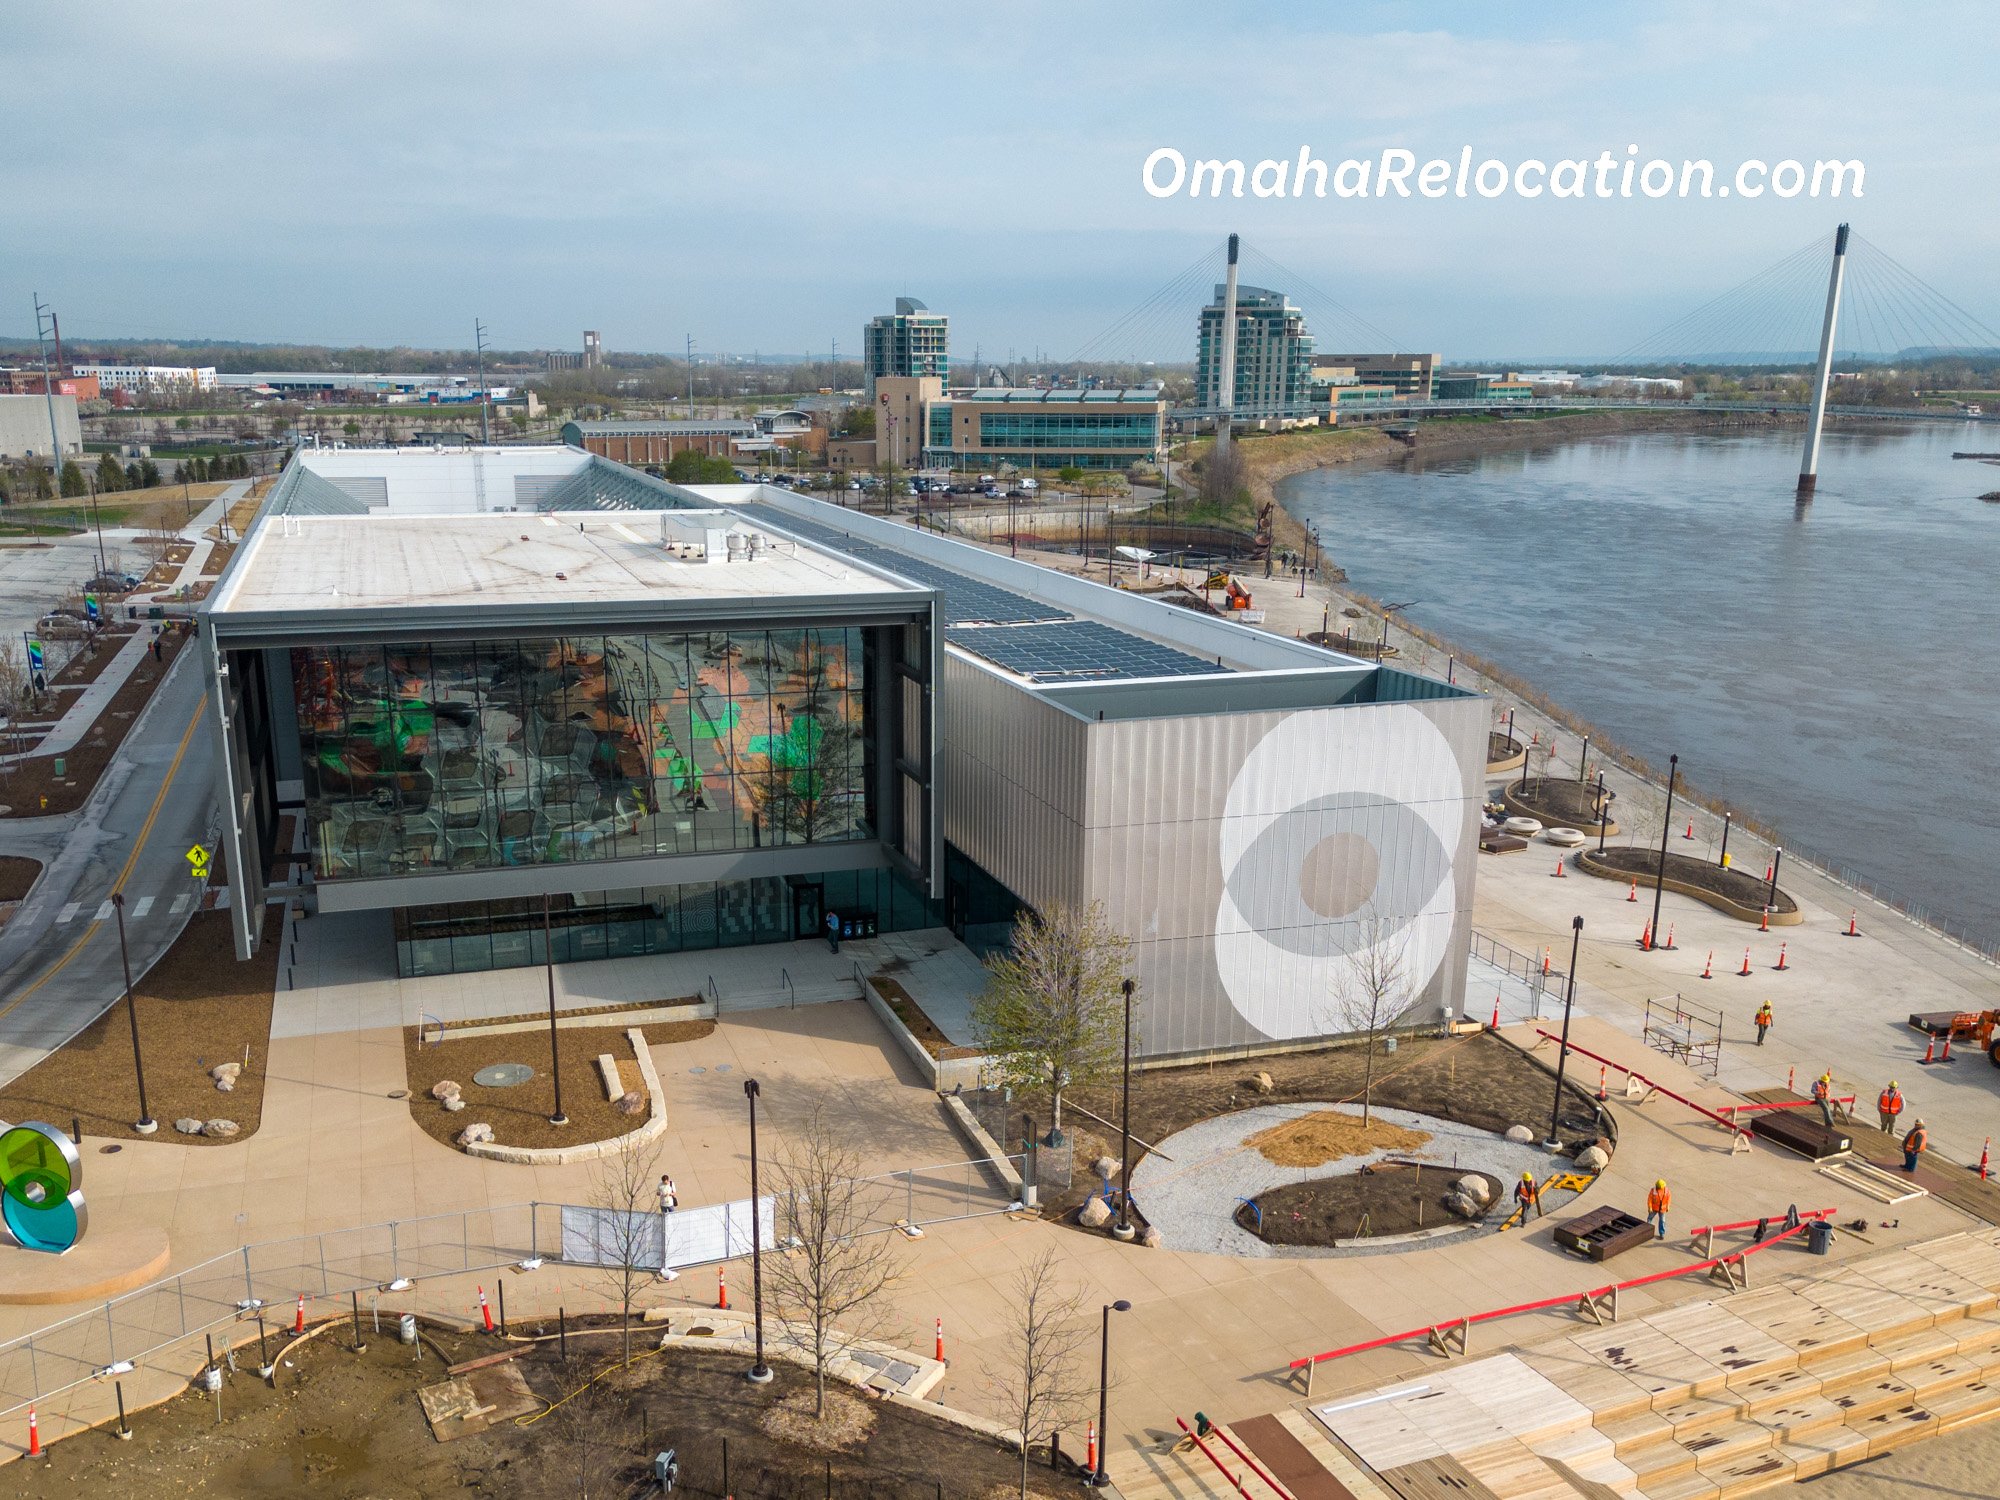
[(1834, 667)]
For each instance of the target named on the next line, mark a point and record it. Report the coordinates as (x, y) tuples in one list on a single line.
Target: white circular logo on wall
[(1338, 832)]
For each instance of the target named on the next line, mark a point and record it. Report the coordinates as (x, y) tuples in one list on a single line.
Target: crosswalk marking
[(103, 912), (180, 905), (145, 905), (68, 913)]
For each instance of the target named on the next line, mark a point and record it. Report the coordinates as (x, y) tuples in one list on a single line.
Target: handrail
[(1568, 1298), (1235, 1481), (1845, 1101), (714, 995), (1658, 1088), (790, 988)]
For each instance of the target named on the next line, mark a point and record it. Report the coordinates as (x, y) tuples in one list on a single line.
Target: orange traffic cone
[(1601, 1095), (1545, 963), (1496, 1012), (1852, 930), (1561, 873), (485, 1312), (1633, 894), (34, 1436), (299, 1319), (1708, 965), (1764, 919), (1090, 1447), (1781, 958), (1745, 970), (722, 1289), (940, 1340), (1930, 1052), (1983, 1150), (1690, 833), (1646, 938)]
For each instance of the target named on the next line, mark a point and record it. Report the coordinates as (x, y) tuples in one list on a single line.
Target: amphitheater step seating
[(1702, 1401)]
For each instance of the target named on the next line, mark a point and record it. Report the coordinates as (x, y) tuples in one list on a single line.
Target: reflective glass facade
[(481, 754)]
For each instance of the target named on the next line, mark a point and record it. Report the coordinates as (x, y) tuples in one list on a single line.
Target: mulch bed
[(1740, 886), (17, 875), (197, 1007), (347, 1423), (89, 663), (217, 559), (520, 1115), (1477, 1080), (1557, 796), (1395, 1198), (1501, 747), (35, 778)]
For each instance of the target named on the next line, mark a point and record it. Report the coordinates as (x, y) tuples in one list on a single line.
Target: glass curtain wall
[(482, 754)]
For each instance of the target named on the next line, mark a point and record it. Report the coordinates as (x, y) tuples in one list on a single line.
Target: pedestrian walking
[(1822, 1095), (1763, 1021), (669, 1199), (833, 930), (1658, 1201), (1889, 1104), (1914, 1145), (1527, 1196)]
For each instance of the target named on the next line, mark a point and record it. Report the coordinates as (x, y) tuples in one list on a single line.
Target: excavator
[(1979, 1028)]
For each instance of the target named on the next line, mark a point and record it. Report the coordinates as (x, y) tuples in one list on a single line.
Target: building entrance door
[(808, 908)]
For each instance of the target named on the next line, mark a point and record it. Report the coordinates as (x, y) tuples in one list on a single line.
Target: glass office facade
[(1136, 432), (483, 754)]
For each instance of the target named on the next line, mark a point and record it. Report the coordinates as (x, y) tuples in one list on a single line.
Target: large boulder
[(1520, 1134), (453, 1105), (631, 1102), (1463, 1204), (1094, 1214), (1474, 1187), (225, 1075), (1151, 1238), (1106, 1168), (445, 1089), (188, 1126), (1592, 1159), (1261, 1082), (221, 1128), (474, 1135)]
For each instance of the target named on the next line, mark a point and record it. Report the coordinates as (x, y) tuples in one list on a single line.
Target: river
[(1831, 667)]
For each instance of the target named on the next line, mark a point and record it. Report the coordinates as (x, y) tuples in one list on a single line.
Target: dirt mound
[(1327, 1135)]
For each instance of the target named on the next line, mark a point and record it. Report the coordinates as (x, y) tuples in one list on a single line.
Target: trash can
[(1819, 1236)]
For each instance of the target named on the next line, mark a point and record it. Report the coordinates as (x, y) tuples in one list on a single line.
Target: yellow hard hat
[(1662, 1182), (1527, 1177), (1892, 1083)]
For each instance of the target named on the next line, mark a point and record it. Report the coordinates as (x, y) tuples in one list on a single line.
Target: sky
[(764, 177)]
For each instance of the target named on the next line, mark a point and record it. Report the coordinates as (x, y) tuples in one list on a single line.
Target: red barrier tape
[(1569, 1299), (1808, 1216), (1658, 1088), (1847, 1102)]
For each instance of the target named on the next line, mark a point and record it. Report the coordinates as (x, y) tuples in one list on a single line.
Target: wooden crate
[(1603, 1233)]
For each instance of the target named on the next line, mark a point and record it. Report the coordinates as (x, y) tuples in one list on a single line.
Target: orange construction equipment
[(1708, 966), (1781, 965), (1744, 972), (1979, 1027)]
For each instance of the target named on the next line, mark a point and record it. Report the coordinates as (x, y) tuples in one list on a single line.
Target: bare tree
[(622, 1190), (585, 1455), (1051, 1013), (1044, 1380), (835, 1263), (1371, 993)]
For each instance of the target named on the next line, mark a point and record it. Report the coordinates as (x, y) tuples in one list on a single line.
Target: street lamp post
[(1722, 857), (1603, 812), (1123, 1229), (1554, 1142), (555, 1054), (145, 1124), (1100, 1478), (1666, 827), (759, 1373)]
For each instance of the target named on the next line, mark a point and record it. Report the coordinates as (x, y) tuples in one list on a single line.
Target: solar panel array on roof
[(1076, 651)]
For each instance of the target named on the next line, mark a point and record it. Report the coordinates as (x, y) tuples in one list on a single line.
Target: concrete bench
[(607, 1069)]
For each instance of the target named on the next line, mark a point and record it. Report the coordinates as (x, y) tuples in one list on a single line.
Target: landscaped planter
[(1739, 895), (1504, 753), (1558, 802)]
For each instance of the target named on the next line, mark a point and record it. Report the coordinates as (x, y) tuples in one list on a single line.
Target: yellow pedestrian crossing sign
[(197, 859)]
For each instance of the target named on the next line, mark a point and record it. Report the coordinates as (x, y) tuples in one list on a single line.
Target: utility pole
[(479, 350), (690, 364), (44, 322), (1809, 467)]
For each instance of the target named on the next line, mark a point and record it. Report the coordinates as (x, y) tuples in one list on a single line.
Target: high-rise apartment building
[(911, 341), (1274, 355)]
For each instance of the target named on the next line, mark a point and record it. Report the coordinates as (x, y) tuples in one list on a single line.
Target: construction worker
[(1889, 1104), (1914, 1144), (1658, 1201), (1527, 1196), (1763, 1021), (1822, 1095)]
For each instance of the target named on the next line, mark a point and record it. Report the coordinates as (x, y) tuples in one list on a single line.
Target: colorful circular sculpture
[(40, 1196)]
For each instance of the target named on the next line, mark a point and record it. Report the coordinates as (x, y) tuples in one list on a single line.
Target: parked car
[(62, 627)]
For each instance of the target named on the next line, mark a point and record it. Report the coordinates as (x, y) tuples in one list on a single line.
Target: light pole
[(145, 1124), (1554, 1142), (1123, 1230), (759, 1373), (1100, 1478), (1603, 812), (1666, 827), (555, 1054)]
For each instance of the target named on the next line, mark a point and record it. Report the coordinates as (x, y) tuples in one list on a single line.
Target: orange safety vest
[(1525, 1193), (1764, 1015), (1819, 1089), (1659, 1200), (1891, 1102), (1916, 1140)]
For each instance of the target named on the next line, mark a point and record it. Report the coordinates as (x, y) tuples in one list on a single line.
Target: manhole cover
[(697, 1070), (723, 1067), (503, 1075), (111, 1150)]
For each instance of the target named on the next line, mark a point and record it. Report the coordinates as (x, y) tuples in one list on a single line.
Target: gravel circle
[(1192, 1199)]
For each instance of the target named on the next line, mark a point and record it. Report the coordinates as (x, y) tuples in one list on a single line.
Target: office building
[(696, 717), (902, 403), (1464, 385), (911, 341), (1408, 375), (1274, 355), (31, 382), (1103, 428), (25, 430), (653, 444)]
